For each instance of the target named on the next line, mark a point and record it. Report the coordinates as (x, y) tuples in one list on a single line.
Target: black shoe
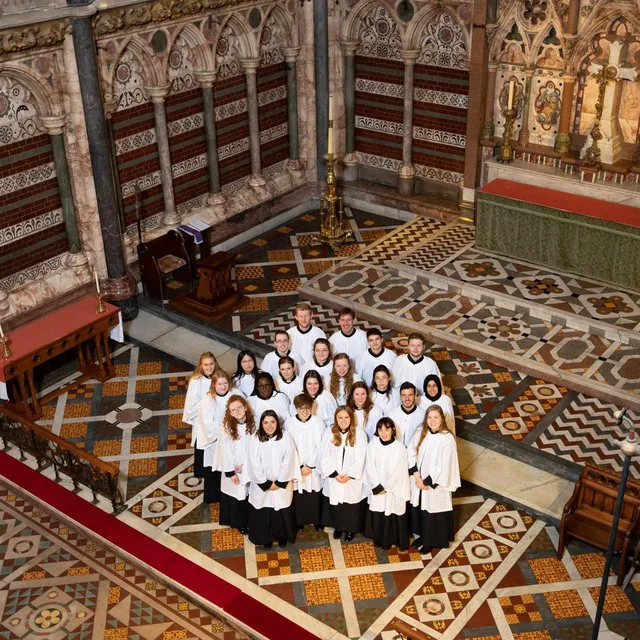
[(318, 527), (425, 550), (336, 534), (268, 546), (282, 543), (348, 537), (416, 544), (244, 531)]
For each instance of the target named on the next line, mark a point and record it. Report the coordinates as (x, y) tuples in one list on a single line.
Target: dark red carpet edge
[(230, 599)]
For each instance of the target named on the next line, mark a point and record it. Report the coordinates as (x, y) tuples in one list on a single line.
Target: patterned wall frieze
[(37, 36), (27, 178), (272, 95), (440, 137), (444, 44), (182, 125), (144, 182), (40, 270), (379, 36), (384, 126), (29, 227), (440, 175), (135, 141), (444, 98), (390, 164), (380, 88), (235, 186), (18, 112), (189, 165), (274, 169), (274, 132), (233, 148), (231, 109)]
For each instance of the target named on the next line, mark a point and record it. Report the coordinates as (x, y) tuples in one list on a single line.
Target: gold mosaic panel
[(306, 239), (174, 284), (548, 570), (176, 402), (367, 587), (533, 635), (285, 229), (565, 604), (121, 633), (114, 388), (176, 634), (249, 273), (121, 370), (325, 591), (149, 368), (362, 554), (317, 267), (348, 250), (285, 285), (214, 512), (308, 217), (281, 255), (615, 600), (320, 559), (143, 467), (371, 235), (144, 444), (74, 430), (103, 448), (226, 539), (49, 411), (259, 303), (178, 441), (259, 242), (77, 410), (175, 422), (590, 565), (148, 386)]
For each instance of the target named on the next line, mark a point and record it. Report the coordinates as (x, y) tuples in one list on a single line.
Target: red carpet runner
[(230, 599)]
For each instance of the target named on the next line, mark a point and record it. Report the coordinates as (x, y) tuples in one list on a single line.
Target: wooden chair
[(588, 515), (162, 257)]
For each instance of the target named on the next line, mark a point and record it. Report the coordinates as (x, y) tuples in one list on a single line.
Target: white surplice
[(444, 402), (270, 362), (302, 342), (196, 390), (232, 457), (206, 429), (386, 401), (354, 345), (406, 423), (290, 389), (324, 406), (367, 362), (278, 402), (406, 370), (308, 437), (223, 401), (324, 370), (437, 458), (369, 427), (344, 460), (246, 383), (273, 460), (387, 466), (341, 397)]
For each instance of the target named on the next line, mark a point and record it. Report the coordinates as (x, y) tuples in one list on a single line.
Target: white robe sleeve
[(190, 412), (290, 466)]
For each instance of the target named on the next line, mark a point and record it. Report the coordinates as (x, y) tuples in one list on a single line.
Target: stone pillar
[(476, 105), (563, 139), (523, 136), (120, 286), (215, 198), (157, 94), (489, 128), (55, 128), (250, 67), (573, 17), (294, 166), (407, 172), (350, 160), (321, 76)]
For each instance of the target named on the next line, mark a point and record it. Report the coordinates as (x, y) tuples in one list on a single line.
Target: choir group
[(363, 442)]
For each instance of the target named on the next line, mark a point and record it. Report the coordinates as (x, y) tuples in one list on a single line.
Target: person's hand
[(274, 487), (306, 471), (421, 485), (235, 480), (238, 469), (343, 478), (383, 492)]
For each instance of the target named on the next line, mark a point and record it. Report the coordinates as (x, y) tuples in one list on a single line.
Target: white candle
[(97, 282), (512, 84), (330, 140), (330, 109), (1, 332)]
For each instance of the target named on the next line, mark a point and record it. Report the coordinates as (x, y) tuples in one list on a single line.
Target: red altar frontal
[(77, 326)]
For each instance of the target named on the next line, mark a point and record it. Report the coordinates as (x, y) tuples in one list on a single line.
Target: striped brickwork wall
[(272, 114)]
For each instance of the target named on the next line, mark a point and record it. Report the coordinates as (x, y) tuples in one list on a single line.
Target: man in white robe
[(408, 417), (349, 339), (414, 366), (376, 354), (303, 334), (282, 348)]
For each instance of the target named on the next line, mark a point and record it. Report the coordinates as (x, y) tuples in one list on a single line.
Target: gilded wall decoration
[(443, 44), (46, 34), (547, 105), (379, 36)]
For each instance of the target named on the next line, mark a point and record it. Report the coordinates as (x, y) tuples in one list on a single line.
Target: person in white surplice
[(367, 414), (341, 379), (265, 396), (304, 334), (207, 429), (408, 417), (321, 360), (238, 427), (433, 394), (245, 376), (433, 464), (388, 488), (349, 339), (270, 361), (308, 433), (383, 393), (345, 450), (325, 404), (288, 381), (414, 366), (272, 468), (375, 355), (198, 387)]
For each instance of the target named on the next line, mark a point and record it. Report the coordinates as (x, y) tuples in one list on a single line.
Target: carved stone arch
[(44, 98), (285, 21), (233, 43), (539, 43), (203, 59), (188, 53), (353, 24), (273, 35), (428, 23), (505, 27)]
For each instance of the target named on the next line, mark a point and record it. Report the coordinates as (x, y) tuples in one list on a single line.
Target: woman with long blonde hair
[(341, 378), (342, 464), (435, 475)]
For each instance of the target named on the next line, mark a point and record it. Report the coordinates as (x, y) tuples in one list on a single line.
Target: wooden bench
[(588, 515), (162, 257)]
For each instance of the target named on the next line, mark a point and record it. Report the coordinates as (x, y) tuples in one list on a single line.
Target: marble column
[(294, 166), (523, 136), (573, 17), (407, 172), (215, 199), (170, 217), (489, 128), (55, 128), (350, 160), (250, 68), (478, 72), (563, 139), (321, 73), (120, 286)]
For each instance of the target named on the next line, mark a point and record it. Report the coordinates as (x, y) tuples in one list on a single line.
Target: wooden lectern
[(215, 294)]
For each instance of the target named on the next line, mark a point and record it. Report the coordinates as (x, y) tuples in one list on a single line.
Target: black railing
[(50, 450)]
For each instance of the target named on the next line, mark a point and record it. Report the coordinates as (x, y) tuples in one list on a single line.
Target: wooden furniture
[(588, 515), (215, 294), (76, 326), (162, 257), (197, 251), (407, 632)]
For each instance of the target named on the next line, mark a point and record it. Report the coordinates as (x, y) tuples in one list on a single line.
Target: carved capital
[(569, 78), (250, 65), (205, 78), (409, 57), (349, 47), (53, 124), (291, 54), (157, 94), (47, 34)]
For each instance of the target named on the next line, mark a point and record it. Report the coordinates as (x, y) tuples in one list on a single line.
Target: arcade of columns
[(208, 108)]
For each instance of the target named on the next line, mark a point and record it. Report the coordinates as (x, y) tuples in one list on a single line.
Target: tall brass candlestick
[(506, 150)]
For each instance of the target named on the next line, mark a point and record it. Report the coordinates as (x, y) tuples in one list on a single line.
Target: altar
[(565, 232)]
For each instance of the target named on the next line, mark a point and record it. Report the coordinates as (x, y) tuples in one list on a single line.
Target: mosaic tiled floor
[(58, 583)]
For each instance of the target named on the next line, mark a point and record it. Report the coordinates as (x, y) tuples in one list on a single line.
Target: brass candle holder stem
[(332, 231), (506, 150), (100, 308), (6, 352)]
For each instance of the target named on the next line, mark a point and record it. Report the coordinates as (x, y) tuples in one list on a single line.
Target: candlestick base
[(6, 352), (100, 308)]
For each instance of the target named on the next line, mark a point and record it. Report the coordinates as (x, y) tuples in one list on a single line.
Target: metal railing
[(51, 450)]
